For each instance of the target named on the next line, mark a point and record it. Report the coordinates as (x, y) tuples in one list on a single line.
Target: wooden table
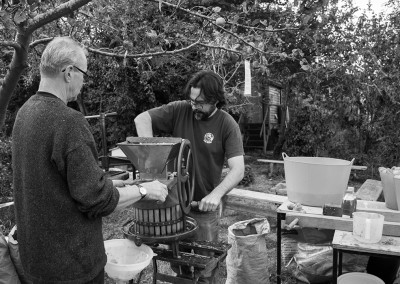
[(313, 218), (343, 241)]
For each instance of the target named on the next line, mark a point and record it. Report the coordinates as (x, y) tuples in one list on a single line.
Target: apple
[(220, 21)]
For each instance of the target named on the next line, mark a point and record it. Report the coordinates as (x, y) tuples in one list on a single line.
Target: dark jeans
[(99, 279), (208, 231), (383, 267)]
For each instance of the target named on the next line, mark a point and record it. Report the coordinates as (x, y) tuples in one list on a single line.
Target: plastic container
[(387, 179), (125, 259), (359, 278), (367, 227), (397, 189), (315, 181)]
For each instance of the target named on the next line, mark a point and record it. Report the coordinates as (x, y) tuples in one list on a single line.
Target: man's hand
[(155, 190), (210, 202)]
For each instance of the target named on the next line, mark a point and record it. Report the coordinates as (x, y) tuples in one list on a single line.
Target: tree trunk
[(17, 66)]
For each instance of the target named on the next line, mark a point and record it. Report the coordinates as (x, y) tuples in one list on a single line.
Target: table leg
[(334, 266), (155, 271), (340, 262), (280, 217)]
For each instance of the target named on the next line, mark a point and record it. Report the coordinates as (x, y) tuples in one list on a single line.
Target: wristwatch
[(142, 191)]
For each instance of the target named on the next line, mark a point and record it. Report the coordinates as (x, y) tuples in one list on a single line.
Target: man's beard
[(203, 115)]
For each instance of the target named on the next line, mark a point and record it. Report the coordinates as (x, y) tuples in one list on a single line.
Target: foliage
[(310, 131), (5, 169), (342, 72)]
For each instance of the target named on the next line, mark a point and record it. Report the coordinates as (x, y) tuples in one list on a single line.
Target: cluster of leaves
[(5, 169), (345, 103), (343, 74)]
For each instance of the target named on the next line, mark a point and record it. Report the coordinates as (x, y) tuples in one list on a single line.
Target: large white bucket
[(315, 181), (359, 278)]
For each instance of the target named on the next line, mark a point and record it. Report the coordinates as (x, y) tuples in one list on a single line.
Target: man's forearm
[(229, 182)]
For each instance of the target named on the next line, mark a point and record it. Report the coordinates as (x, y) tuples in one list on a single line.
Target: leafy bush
[(5, 169), (309, 131)]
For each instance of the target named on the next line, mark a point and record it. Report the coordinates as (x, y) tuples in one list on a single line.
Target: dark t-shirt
[(211, 140)]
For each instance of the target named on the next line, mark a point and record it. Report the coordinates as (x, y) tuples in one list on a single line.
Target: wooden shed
[(263, 116)]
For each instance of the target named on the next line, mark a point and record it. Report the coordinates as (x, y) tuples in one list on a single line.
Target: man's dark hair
[(211, 87)]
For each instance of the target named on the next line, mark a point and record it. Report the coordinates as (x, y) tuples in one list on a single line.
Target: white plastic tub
[(359, 278), (125, 260), (315, 181)]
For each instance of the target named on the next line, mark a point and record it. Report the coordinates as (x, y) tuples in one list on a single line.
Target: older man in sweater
[(60, 192)]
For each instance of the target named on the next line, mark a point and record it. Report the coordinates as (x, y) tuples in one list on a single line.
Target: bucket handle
[(352, 161), (284, 155)]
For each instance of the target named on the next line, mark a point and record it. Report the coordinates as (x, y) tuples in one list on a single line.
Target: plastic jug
[(367, 227)]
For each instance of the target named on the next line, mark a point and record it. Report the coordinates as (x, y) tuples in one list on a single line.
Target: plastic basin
[(125, 259), (359, 278), (315, 181)]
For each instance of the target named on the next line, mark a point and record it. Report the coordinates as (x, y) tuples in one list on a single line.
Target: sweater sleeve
[(93, 192), (76, 157)]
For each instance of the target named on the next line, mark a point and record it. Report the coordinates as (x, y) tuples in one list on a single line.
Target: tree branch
[(54, 14), (219, 47), (40, 41), (12, 44), (227, 22), (141, 55)]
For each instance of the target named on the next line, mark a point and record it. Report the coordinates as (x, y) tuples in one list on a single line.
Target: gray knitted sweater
[(60, 193)]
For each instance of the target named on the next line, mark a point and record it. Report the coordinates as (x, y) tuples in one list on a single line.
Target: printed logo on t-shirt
[(208, 138)]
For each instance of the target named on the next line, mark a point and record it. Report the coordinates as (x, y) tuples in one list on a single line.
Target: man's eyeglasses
[(196, 103), (79, 69)]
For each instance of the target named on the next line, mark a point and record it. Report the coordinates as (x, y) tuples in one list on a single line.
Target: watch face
[(142, 190)]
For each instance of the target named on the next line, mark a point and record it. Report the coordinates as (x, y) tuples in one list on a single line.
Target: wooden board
[(380, 208), (370, 190), (309, 209), (259, 203), (387, 245), (3, 205), (257, 196), (336, 223)]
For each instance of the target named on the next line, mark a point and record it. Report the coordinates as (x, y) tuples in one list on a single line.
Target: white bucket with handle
[(315, 181)]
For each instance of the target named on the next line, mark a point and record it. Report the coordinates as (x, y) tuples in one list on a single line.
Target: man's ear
[(68, 74)]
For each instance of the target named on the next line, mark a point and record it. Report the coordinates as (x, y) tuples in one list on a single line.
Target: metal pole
[(104, 159)]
